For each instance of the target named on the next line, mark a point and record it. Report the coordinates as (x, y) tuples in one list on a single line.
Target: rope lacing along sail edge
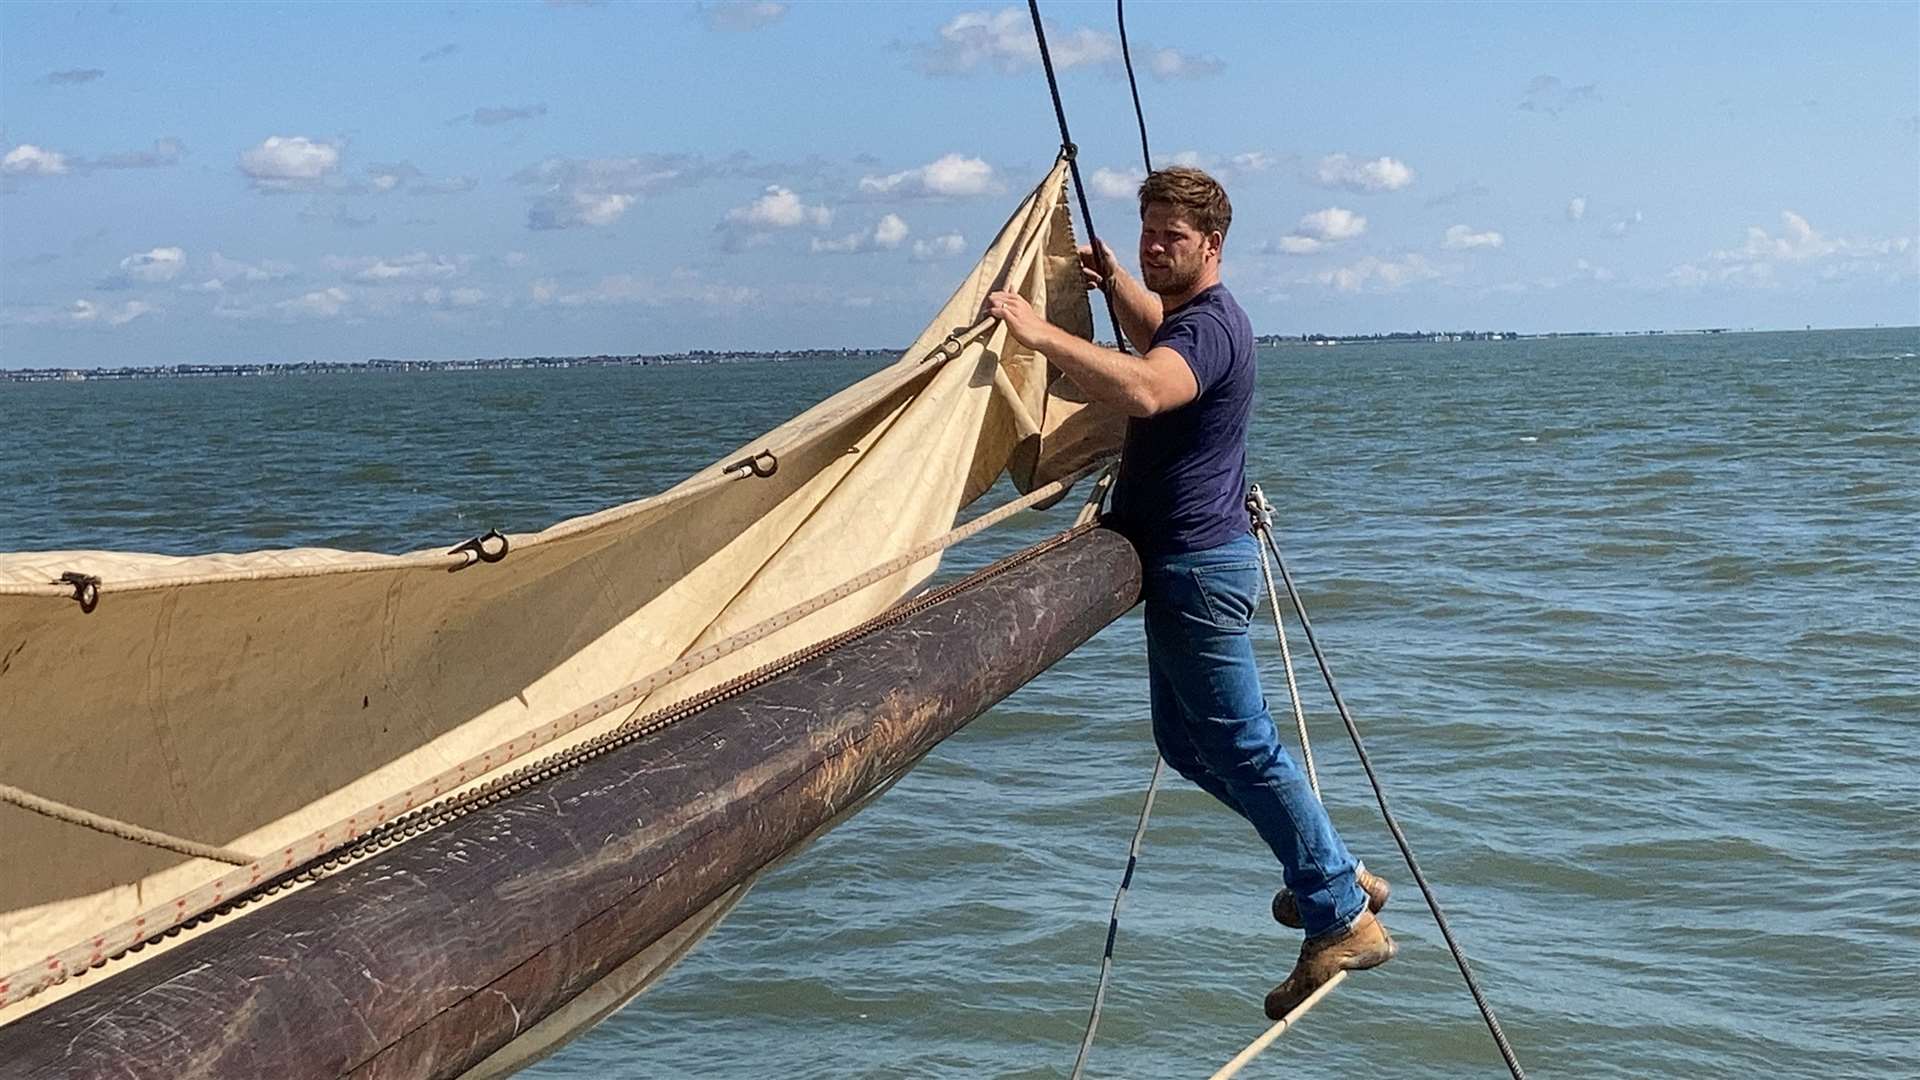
[(440, 797)]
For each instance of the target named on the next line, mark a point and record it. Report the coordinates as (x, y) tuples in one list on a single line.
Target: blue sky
[(228, 182)]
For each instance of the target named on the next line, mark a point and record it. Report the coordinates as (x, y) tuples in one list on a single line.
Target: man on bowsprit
[(1181, 499)]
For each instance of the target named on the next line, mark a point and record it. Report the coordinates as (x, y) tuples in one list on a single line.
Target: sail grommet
[(478, 546), (86, 589), (1069, 151), (762, 464)]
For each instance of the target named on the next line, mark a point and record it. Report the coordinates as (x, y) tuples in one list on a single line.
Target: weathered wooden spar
[(311, 812), (426, 959)]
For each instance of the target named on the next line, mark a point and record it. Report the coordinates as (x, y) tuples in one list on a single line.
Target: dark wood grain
[(423, 960)]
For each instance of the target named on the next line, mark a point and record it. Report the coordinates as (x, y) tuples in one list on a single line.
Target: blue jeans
[(1211, 722)]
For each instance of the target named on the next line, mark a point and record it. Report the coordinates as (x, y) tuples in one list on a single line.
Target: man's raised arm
[(1140, 311), (1144, 385)]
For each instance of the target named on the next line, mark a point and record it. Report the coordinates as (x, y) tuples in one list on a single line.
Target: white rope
[(125, 830), (1262, 512), (1293, 687), (56, 968), (1254, 1048)]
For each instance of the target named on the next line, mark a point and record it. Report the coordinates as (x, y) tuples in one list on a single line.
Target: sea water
[(1631, 627)]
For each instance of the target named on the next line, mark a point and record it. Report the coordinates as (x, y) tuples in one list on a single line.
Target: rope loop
[(86, 589), (1259, 510)]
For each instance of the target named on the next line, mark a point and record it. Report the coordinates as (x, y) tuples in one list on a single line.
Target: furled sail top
[(249, 700)]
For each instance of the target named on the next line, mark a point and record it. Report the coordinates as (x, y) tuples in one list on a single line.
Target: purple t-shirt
[(1183, 474)]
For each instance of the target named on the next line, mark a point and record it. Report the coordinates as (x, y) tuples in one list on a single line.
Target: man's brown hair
[(1199, 197)]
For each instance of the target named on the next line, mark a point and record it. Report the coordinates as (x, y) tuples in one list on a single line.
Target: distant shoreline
[(753, 356), (383, 366)]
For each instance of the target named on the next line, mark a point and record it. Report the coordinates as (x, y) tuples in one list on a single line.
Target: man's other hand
[(1027, 326), (1093, 267)]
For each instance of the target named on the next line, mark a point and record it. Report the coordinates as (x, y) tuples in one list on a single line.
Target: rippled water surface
[(1632, 627)]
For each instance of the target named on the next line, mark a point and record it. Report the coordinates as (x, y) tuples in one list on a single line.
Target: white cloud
[(945, 246), (889, 233), (452, 298), (599, 210), (1625, 225), (1174, 64), (1294, 244), (849, 244), (320, 304), (128, 312), (779, 208), (1380, 174), (1115, 184), (78, 313), (1765, 257), (1002, 41), (575, 192), (414, 266), (1381, 274), (1332, 224), (87, 312), (740, 16), (286, 163), (1576, 208), (1798, 241), (1460, 237), (1317, 230), (679, 288), (229, 273), (949, 176), (1247, 163), (158, 265), (30, 160), (390, 177)]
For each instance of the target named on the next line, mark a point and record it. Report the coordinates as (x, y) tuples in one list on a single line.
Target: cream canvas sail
[(249, 700)]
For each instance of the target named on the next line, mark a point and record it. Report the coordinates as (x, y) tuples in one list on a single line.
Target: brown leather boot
[(1286, 911), (1364, 945)]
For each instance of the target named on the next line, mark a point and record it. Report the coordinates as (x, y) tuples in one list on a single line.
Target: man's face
[(1173, 254)]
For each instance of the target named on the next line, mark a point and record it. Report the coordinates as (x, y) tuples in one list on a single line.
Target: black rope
[(1113, 923), (1120, 338), (1126, 54), (1393, 825), (1079, 188)]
